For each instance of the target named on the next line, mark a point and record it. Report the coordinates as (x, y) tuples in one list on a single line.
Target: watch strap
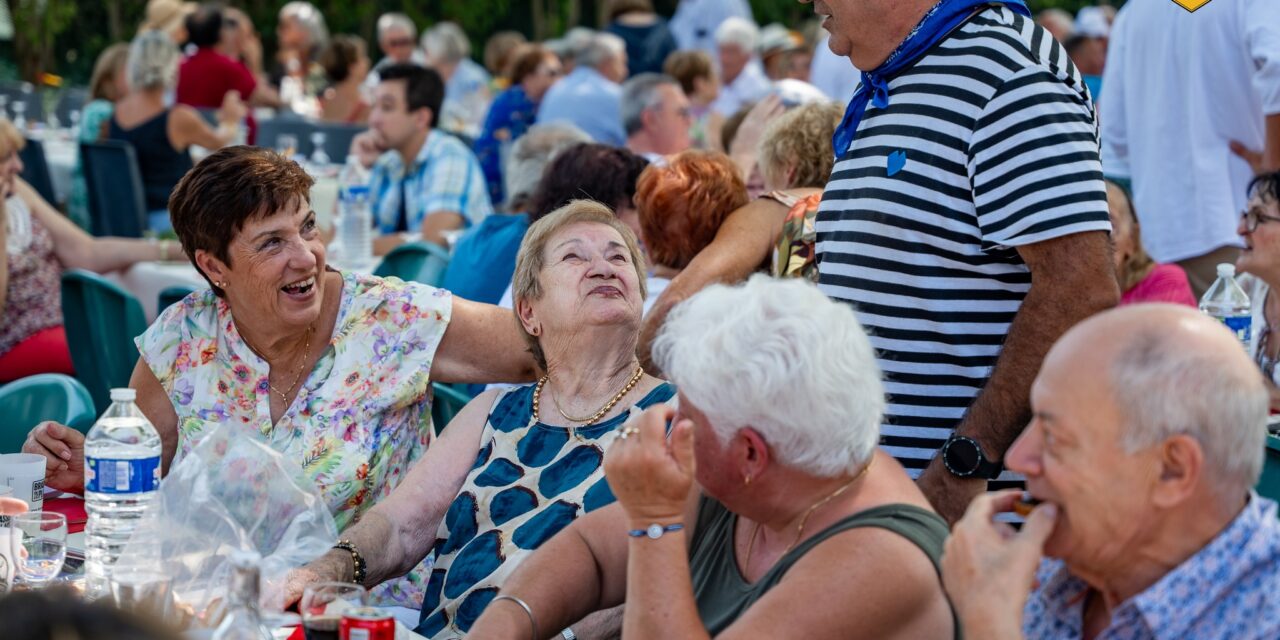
[(654, 531)]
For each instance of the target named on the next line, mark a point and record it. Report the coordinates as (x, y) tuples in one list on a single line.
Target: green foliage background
[(64, 37)]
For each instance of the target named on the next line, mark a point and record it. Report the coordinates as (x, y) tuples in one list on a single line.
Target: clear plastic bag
[(230, 493)]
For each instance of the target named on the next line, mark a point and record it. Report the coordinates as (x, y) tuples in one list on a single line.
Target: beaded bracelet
[(358, 573)]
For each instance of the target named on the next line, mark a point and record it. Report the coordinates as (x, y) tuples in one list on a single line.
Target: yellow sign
[(1191, 5)]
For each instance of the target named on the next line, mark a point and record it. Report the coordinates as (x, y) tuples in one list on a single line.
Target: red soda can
[(366, 623)]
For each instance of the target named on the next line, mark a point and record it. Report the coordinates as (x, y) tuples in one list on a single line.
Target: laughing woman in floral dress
[(332, 369)]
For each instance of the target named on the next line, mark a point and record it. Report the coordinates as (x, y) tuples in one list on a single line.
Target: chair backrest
[(35, 170), (1269, 484), (172, 295), (29, 401), (71, 99), (26, 93), (448, 401), (422, 262), (117, 203), (337, 139), (101, 321), (210, 116), (270, 130)]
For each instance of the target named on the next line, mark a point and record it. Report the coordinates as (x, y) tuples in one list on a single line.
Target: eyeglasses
[(550, 72), (400, 42), (1253, 217)]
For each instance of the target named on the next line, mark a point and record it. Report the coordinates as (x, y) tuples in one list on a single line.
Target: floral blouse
[(793, 257), (361, 418)]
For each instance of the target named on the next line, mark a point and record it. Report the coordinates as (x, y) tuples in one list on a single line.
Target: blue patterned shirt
[(510, 116), (1229, 590), (444, 177)]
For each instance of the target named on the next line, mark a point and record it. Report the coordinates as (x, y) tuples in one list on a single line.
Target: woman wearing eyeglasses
[(1260, 229), (532, 72)]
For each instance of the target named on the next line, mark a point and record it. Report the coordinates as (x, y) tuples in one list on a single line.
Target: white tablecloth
[(60, 155), (146, 280)]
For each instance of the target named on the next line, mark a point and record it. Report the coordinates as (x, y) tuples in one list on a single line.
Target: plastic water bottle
[(1229, 304), (243, 620), (121, 478), (355, 220)]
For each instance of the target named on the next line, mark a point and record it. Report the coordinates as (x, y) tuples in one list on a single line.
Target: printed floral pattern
[(363, 415)]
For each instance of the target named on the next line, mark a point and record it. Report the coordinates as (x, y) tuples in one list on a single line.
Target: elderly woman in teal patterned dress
[(518, 465)]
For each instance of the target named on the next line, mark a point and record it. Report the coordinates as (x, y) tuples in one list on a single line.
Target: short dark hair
[(525, 62), (423, 87), (687, 66), (231, 186), (204, 25), (342, 52), (1265, 186), (588, 171), (60, 613)]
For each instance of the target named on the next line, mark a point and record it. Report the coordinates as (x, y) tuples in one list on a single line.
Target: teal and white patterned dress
[(529, 481)]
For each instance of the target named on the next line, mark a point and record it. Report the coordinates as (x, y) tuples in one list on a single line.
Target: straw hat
[(166, 15)]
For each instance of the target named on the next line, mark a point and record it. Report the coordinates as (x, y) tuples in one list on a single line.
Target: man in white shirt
[(740, 70), (1181, 89), (695, 21)]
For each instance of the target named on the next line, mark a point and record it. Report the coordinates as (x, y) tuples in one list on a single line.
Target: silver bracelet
[(533, 624)]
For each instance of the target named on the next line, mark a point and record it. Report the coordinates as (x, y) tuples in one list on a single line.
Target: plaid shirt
[(1229, 590), (444, 177)]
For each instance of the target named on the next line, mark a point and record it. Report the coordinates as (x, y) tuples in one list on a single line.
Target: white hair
[(1163, 390), (640, 94), (311, 20), (779, 357), (531, 154), (152, 61), (600, 49), (447, 42), (738, 31), (390, 21)]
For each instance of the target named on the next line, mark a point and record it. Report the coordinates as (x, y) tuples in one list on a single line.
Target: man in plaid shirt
[(424, 182)]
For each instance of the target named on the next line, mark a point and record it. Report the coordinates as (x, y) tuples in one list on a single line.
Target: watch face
[(655, 531), (962, 456)]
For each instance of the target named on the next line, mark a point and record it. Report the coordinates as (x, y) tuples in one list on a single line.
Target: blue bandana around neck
[(941, 20)]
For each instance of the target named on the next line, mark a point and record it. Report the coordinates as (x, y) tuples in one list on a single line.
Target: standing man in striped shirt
[(965, 220)]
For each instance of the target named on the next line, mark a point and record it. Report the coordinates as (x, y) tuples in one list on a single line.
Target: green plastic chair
[(29, 401), (415, 262), (172, 295), (449, 400), (101, 321), (1269, 484)]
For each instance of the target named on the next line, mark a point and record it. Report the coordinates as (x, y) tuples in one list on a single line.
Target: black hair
[(588, 171), (204, 25), (1265, 186), (423, 87)]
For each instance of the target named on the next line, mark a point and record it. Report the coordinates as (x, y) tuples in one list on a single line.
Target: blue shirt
[(1229, 590), (444, 177), (485, 258), (510, 116), (590, 101)]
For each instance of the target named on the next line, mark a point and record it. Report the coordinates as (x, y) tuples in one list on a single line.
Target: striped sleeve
[(1033, 163)]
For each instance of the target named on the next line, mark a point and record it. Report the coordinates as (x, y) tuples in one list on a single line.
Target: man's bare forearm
[(1061, 295), (601, 625), (1271, 150)]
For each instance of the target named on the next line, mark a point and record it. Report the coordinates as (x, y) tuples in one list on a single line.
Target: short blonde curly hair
[(800, 141)]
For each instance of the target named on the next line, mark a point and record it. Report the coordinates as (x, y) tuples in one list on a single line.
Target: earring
[(746, 481), (221, 284)]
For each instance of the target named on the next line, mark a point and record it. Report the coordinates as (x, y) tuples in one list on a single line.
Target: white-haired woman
[(302, 34), (796, 526), (161, 135), (518, 465)]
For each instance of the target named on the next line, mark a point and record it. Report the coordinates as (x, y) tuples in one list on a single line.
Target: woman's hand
[(650, 474), (331, 567), (63, 450), (232, 110)]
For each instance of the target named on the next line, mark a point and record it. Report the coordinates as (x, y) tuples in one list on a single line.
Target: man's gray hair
[(779, 357), (390, 21), (640, 94), (739, 31), (311, 20), (600, 49), (1163, 390), (531, 154), (447, 42), (152, 61)]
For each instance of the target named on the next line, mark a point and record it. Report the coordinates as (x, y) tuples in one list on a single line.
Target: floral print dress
[(362, 416)]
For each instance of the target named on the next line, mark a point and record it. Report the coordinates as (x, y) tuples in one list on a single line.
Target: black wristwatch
[(964, 459)]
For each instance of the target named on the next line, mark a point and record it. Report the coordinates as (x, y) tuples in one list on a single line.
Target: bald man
[(1146, 439)]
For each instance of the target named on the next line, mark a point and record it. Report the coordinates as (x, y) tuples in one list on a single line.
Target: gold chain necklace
[(537, 396), (306, 354), (751, 544)]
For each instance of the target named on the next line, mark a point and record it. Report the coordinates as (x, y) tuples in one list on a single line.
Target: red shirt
[(1165, 283), (206, 76)]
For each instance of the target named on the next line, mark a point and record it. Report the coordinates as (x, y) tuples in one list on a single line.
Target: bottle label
[(1242, 326), (104, 475)]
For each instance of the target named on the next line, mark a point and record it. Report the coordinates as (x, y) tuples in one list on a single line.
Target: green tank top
[(719, 588)]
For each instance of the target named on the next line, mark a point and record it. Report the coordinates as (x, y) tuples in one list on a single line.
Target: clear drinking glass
[(323, 604), (44, 539)]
